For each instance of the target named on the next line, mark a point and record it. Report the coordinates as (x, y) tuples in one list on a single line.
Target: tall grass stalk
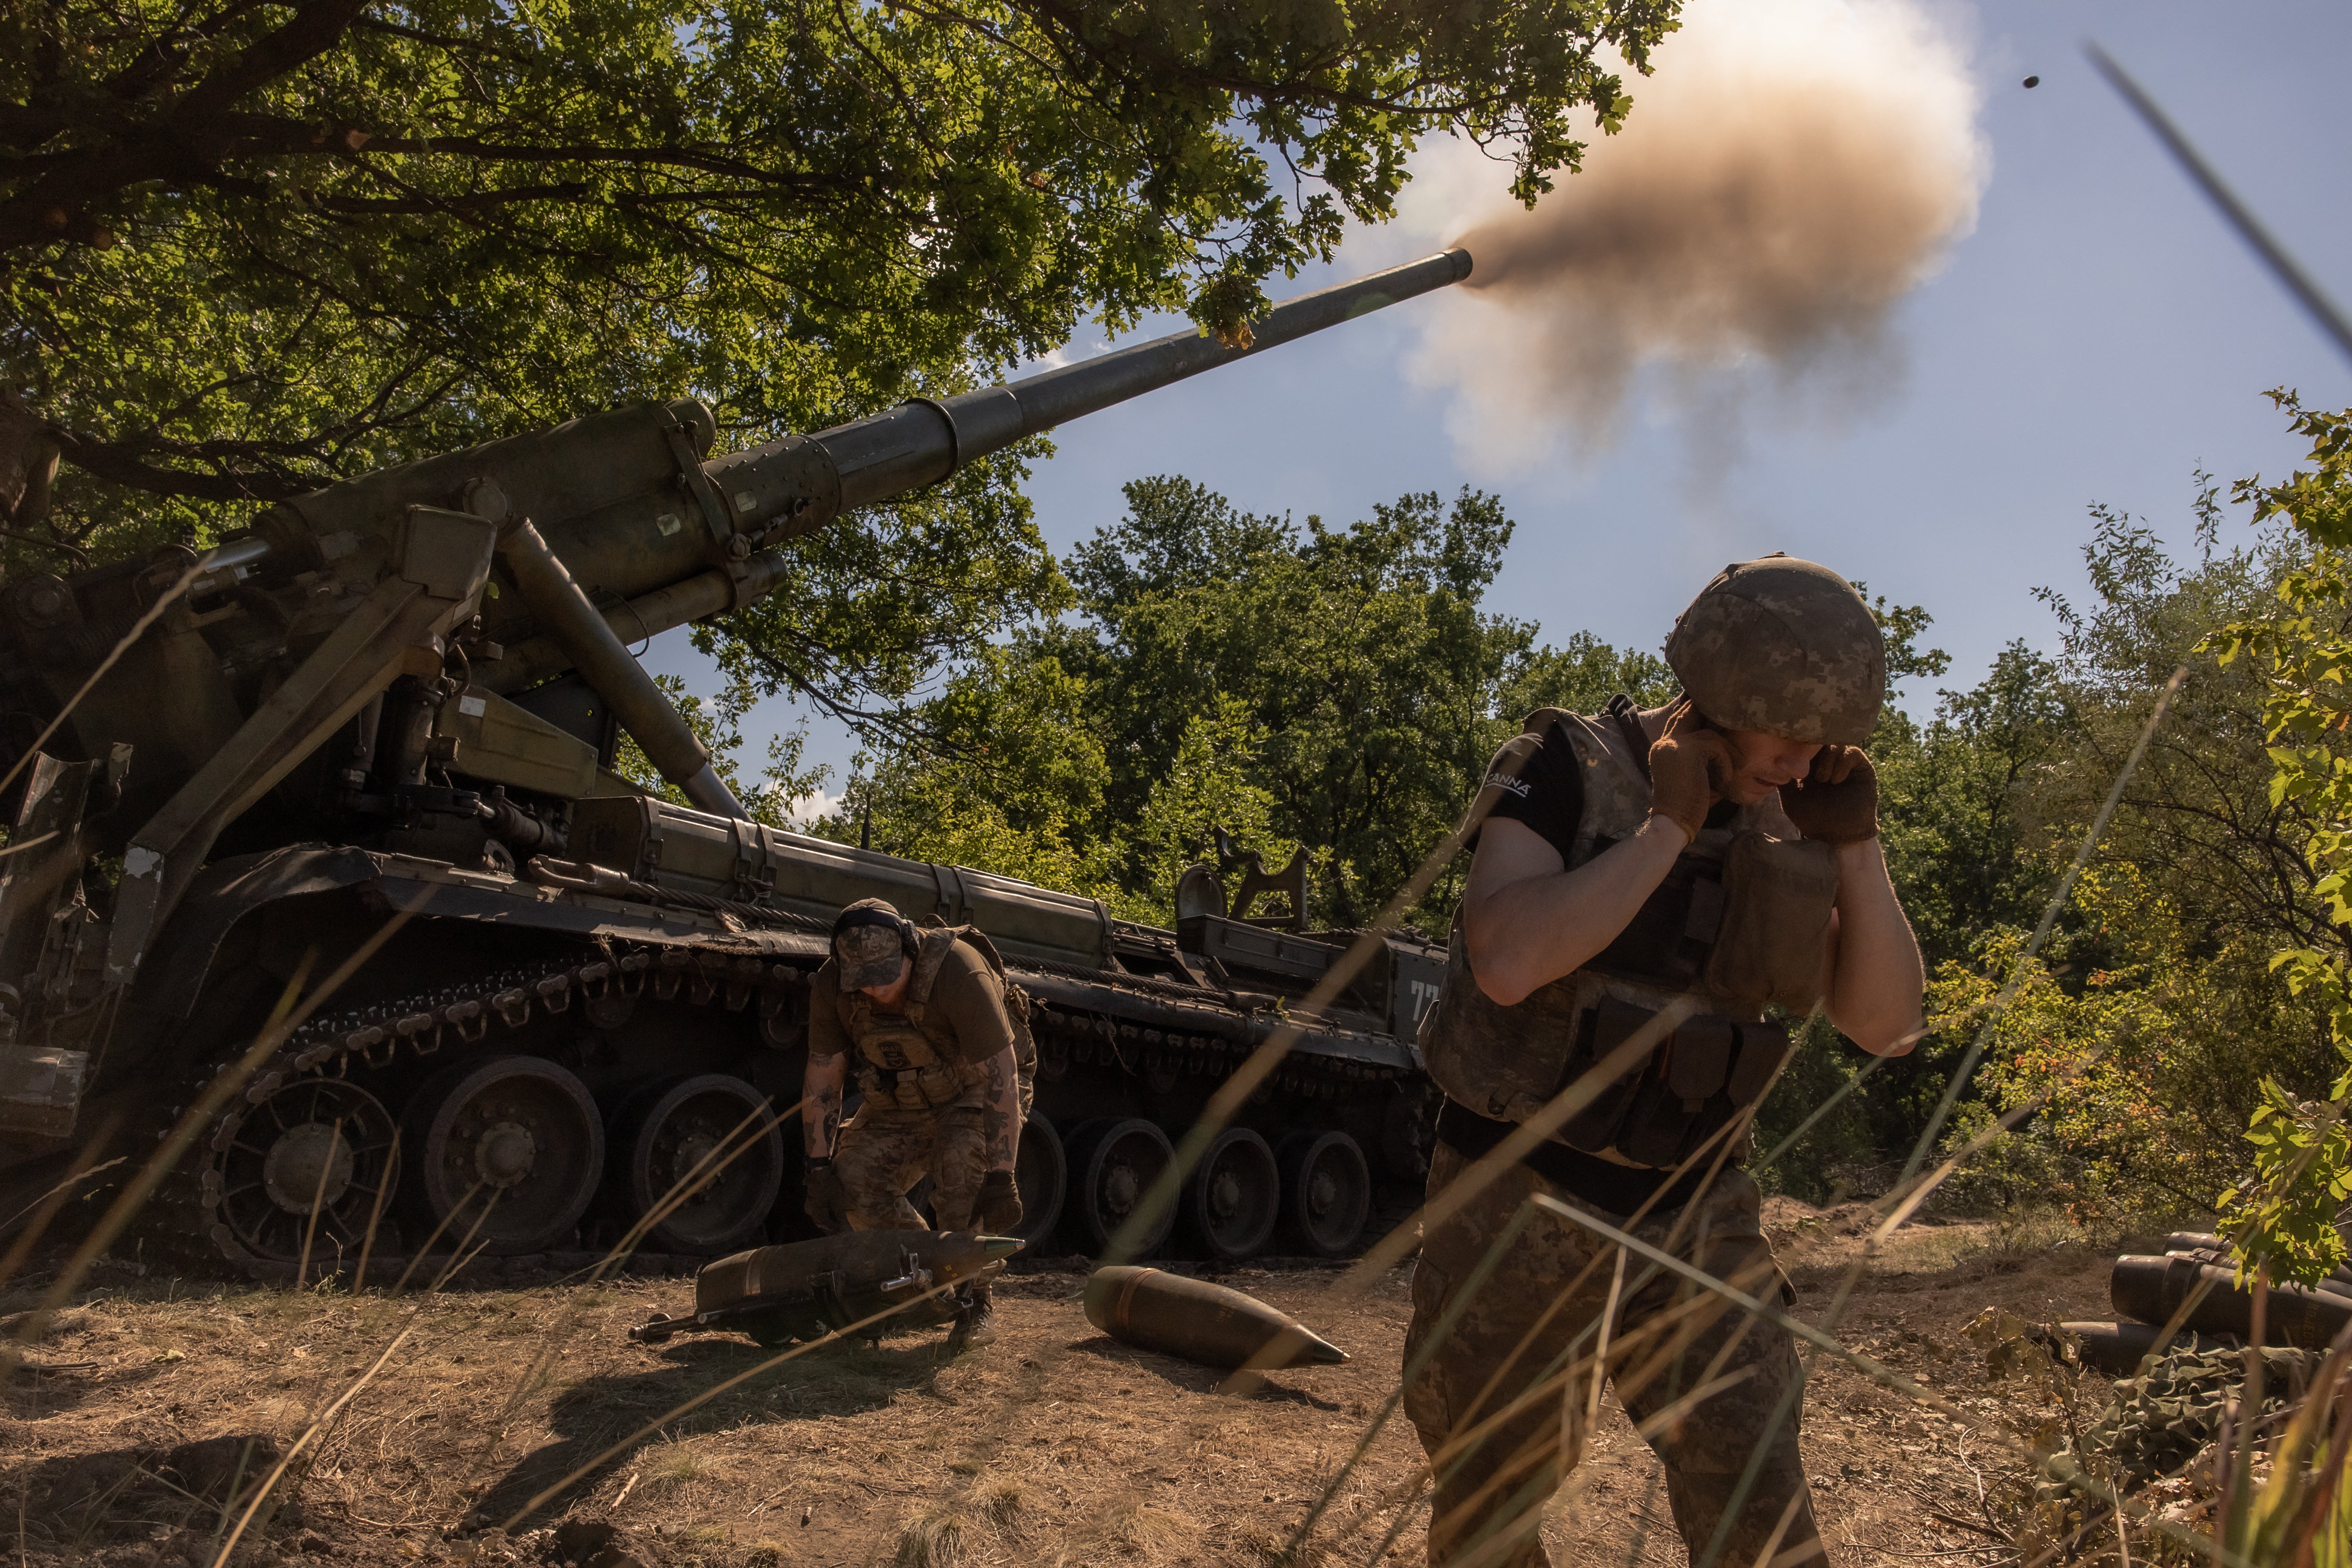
[(2300, 1514)]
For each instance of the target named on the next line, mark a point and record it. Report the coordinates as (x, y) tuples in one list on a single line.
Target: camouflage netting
[(2153, 1440), (2162, 1419)]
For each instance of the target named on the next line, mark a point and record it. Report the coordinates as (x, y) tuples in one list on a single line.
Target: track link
[(185, 1220)]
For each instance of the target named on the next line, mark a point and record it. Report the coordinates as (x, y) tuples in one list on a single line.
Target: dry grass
[(1055, 1445), (934, 1540), (1151, 1532), (1005, 1500)]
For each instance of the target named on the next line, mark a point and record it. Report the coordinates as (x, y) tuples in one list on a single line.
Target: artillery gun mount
[(361, 751)]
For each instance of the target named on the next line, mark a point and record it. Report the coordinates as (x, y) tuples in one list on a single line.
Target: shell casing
[(1207, 1323), (2152, 1288), (805, 1290)]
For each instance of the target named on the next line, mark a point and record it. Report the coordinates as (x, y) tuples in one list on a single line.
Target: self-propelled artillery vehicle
[(356, 762)]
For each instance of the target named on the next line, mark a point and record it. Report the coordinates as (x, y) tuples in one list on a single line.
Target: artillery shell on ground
[(1207, 1323), (834, 1284), (2207, 1248), (2117, 1348), (2153, 1288)]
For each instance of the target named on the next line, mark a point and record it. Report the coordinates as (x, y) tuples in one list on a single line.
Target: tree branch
[(192, 132), (114, 463)]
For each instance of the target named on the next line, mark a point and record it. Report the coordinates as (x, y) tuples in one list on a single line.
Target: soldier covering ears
[(1652, 892), (945, 1068)]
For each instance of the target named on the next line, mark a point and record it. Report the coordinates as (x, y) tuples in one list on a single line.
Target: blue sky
[(2098, 337)]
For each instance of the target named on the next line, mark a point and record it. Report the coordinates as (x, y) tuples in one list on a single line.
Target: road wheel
[(1326, 1193), (1040, 1172), (508, 1154), (1113, 1165), (704, 1154), (306, 1170), (1232, 1200)]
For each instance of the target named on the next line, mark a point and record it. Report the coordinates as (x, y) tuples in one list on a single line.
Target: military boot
[(976, 1324)]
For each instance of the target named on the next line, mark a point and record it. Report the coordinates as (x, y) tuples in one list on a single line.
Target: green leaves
[(1360, 656), (1957, 837), (1335, 689), (2125, 1064), (2285, 1212), (2134, 1057), (2318, 501), (345, 235), (2285, 1215)]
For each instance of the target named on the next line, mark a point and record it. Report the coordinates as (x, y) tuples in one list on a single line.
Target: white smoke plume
[(1790, 172)]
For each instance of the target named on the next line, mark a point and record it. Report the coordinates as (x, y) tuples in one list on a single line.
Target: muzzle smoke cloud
[(1790, 172)]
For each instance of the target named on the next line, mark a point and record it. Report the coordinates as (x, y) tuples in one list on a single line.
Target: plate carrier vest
[(912, 1061), (1740, 922)]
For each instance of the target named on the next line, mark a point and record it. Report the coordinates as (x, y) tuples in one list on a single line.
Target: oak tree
[(248, 247)]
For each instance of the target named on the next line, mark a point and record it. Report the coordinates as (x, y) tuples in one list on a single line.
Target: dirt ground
[(1055, 1445)]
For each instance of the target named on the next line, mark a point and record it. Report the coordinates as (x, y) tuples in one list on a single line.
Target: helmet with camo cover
[(1785, 647)]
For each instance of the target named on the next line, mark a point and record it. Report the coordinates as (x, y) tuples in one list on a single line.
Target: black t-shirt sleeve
[(1552, 800)]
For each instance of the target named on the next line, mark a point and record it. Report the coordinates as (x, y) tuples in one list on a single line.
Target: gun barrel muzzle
[(923, 442)]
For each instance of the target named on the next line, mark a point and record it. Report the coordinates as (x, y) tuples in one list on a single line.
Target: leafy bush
[(2286, 1214)]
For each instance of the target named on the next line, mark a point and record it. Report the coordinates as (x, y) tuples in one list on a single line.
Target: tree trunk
[(28, 461)]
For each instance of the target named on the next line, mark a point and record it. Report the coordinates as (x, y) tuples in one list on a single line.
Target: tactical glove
[(1688, 768), (823, 1200), (998, 1208), (1837, 801)]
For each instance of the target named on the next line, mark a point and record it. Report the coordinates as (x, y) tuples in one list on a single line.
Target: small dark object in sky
[(2033, 82)]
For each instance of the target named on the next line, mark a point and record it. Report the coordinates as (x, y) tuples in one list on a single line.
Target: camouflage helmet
[(1785, 647), (871, 943)]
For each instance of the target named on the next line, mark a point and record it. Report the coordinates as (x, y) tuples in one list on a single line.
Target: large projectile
[(2117, 1348), (2153, 1290), (1200, 1322), (810, 1288)]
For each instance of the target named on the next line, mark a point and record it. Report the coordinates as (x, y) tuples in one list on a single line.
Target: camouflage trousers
[(1503, 1400), (882, 1153)]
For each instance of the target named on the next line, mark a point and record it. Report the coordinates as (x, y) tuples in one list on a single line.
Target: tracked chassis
[(598, 1010), (322, 891)]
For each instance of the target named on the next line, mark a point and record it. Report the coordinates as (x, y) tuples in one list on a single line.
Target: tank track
[(184, 1223), (183, 1220)]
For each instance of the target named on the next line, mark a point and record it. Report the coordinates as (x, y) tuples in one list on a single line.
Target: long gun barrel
[(346, 611), (920, 443), (789, 487), (659, 538)]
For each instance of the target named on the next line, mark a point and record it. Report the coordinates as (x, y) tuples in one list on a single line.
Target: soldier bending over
[(1647, 887), (939, 1063)]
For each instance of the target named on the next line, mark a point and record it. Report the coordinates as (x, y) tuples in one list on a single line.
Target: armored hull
[(323, 909), (523, 1067)]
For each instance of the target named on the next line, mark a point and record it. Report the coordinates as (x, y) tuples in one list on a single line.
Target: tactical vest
[(1741, 921), (912, 1060)]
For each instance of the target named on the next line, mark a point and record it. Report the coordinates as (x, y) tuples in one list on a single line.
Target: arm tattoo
[(1002, 1117), (821, 1094)]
